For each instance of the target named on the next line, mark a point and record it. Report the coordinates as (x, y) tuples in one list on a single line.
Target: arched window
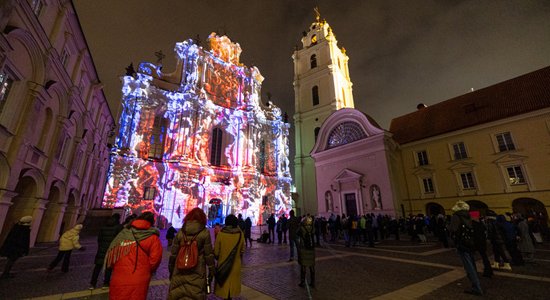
[(158, 137), (216, 147), (317, 132), (315, 95), (313, 61), (261, 166), (345, 133)]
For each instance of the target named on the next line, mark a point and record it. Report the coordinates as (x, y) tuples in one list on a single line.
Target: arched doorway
[(479, 206), (22, 204), (434, 209), (47, 232), (529, 207)]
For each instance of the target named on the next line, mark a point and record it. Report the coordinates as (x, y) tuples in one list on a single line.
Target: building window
[(459, 151), (158, 136), (37, 7), (315, 95), (216, 147), (345, 133), (467, 180), (515, 175), (422, 158), (505, 142), (149, 193), (62, 146), (261, 166), (5, 86), (316, 131), (428, 185), (313, 61)]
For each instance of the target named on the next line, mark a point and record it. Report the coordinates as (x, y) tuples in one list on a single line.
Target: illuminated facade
[(200, 136)]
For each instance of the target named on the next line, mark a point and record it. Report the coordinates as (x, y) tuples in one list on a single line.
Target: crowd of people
[(129, 253)]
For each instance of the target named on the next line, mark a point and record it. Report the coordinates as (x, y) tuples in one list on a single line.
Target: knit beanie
[(460, 205), (26, 220)]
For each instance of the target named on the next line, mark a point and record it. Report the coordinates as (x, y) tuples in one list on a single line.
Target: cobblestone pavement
[(391, 270)]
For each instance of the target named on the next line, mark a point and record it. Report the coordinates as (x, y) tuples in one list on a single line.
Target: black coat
[(480, 235), (106, 235), (17, 242)]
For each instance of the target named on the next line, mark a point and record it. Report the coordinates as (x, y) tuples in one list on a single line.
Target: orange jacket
[(127, 283)]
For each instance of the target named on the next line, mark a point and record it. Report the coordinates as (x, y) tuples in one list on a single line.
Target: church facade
[(200, 137)]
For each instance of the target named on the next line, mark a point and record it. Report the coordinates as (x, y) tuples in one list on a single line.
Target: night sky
[(401, 52)]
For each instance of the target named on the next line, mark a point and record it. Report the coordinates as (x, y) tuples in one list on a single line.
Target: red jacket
[(127, 283)]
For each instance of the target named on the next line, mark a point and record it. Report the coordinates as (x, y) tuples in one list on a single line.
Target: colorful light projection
[(199, 136)]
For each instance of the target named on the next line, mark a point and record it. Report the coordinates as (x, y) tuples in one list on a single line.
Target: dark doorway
[(479, 206), (351, 204), (529, 207), (434, 209)]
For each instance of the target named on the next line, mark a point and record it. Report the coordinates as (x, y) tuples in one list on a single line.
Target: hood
[(141, 224), (231, 229), (193, 227)]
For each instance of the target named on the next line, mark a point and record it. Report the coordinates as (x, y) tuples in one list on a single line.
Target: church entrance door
[(351, 204)]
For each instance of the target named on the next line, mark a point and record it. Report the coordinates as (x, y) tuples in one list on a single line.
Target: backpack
[(464, 237), (188, 255)]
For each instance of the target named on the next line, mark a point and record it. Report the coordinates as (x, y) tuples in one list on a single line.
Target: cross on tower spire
[(317, 13)]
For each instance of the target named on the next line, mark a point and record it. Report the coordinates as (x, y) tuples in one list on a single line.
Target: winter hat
[(26, 220), (78, 227), (460, 205)]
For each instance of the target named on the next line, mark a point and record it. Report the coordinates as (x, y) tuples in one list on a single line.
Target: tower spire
[(317, 13)]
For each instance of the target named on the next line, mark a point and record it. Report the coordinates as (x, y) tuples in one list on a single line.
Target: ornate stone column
[(5, 203)]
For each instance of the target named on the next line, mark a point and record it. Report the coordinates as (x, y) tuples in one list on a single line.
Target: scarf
[(127, 239)]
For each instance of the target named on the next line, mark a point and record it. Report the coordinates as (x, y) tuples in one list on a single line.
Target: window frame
[(147, 190), (315, 95), (425, 160), (515, 168), (159, 132), (313, 61), (468, 181), (459, 151), (428, 188), (216, 143), (507, 142)]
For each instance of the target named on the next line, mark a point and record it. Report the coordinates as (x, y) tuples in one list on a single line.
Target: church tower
[(321, 87)]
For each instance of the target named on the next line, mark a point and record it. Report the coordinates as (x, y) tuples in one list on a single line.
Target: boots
[(302, 276)]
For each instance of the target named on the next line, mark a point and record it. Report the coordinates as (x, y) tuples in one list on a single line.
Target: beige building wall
[(54, 119), (531, 136)]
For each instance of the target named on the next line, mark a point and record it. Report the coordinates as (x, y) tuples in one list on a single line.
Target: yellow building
[(490, 147)]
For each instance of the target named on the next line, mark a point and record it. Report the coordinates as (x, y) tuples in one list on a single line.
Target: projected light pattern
[(200, 136)]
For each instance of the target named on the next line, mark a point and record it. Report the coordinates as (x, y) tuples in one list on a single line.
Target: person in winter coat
[(459, 220), (16, 244), (306, 250), (525, 243), (509, 233), (134, 255), (191, 283), (248, 231), (293, 225), (480, 239), (271, 228), (107, 234), (170, 234), (229, 237), (67, 243)]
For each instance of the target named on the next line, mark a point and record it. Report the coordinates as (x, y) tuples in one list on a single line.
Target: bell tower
[(321, 87)]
